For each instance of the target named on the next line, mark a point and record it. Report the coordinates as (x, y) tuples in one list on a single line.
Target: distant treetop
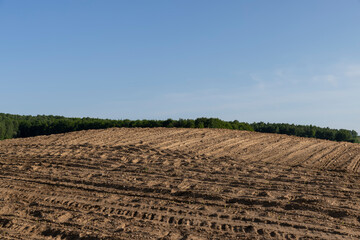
[(18, 126)]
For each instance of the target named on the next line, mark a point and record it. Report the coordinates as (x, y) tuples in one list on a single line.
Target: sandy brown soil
[(178, 184)]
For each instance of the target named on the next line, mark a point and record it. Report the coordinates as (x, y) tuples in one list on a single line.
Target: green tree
[(2, 130)]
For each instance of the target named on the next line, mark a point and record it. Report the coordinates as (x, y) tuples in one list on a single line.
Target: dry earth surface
[(178, 184)]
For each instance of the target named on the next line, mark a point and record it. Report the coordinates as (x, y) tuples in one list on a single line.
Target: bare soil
[(178, 184)]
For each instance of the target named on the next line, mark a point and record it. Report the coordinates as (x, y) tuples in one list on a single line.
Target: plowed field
[(178, 184)]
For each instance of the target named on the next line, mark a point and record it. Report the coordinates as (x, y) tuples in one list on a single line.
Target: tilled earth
[(178, 184)]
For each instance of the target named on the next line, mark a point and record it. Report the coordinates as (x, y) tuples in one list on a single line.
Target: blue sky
[(260, 60)]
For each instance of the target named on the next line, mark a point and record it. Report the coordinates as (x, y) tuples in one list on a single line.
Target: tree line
[(18, 126), (307, 131)]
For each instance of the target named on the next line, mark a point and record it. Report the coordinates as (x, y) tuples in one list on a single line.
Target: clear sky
[(252, 60)]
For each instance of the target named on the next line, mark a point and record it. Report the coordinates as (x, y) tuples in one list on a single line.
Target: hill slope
[(164, 183)]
